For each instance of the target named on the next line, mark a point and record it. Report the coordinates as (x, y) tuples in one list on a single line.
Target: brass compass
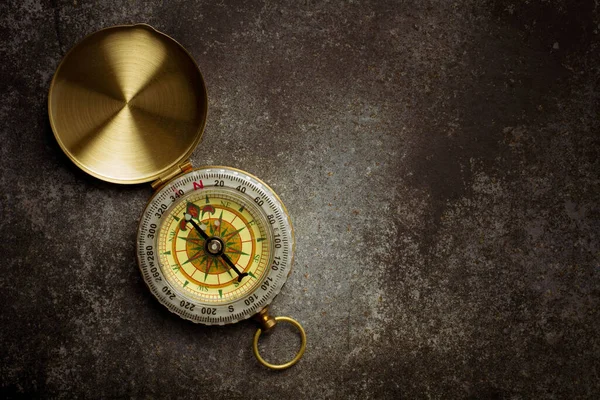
[(215, 244)]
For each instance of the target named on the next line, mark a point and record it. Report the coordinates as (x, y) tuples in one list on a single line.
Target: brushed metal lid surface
[(127, 104)]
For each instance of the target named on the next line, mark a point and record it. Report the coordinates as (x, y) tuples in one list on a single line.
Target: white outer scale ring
[(191, 309)]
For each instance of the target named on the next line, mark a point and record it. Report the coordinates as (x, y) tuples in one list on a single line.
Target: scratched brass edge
[(157, 175)]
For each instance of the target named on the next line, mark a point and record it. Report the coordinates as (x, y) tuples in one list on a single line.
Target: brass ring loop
[(289, 363)]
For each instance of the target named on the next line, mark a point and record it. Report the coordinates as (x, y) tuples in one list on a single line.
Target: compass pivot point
[(214, 246)]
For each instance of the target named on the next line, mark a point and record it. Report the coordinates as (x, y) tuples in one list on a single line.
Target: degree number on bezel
[(215, 245)]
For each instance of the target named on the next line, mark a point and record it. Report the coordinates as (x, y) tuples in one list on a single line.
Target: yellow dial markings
[(208, 277), (181, 253)]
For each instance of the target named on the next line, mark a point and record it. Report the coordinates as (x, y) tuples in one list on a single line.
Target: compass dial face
[(215, 245)]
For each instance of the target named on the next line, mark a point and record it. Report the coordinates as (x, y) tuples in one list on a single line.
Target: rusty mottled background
[(440, 160)]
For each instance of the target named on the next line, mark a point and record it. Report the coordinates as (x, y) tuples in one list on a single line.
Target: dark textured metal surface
[(440, 162)]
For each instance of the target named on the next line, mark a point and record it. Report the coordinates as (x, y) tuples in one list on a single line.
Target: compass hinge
[(265, 321), (172, 173)]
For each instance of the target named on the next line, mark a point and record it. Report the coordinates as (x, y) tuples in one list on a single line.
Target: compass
[(215, 244)]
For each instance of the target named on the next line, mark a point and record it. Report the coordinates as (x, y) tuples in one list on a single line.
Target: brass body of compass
[(128, 105)]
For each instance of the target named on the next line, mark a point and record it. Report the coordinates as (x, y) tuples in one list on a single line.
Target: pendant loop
[(289, 363)]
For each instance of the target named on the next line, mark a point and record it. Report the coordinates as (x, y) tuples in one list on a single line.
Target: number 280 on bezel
[(215, 245)]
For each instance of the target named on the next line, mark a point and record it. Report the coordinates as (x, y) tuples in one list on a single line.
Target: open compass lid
[(127, 104)]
